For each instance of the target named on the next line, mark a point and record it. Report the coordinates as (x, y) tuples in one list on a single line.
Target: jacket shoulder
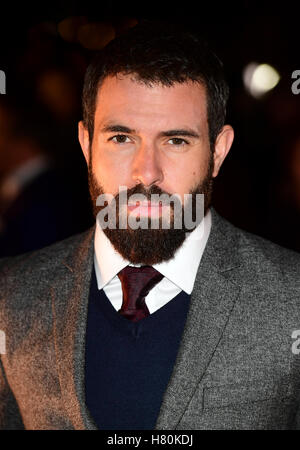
[(270, 256), (41, 264), (267, 263), (258, 258)]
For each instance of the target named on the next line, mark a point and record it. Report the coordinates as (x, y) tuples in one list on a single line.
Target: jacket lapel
[(211, 303), (70, 296)]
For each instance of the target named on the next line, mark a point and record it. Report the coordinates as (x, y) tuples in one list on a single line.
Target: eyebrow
[(180, 132), (116, 129), (123, 129)]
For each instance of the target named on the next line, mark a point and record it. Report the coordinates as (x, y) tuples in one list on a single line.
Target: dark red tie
[(137, 282)]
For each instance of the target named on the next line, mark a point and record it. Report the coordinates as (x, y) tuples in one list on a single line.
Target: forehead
[(124, 99)]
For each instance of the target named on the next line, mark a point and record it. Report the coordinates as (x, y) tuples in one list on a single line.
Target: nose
[(146, 168)]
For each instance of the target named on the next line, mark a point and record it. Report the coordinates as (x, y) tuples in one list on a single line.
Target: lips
[(146, 208)]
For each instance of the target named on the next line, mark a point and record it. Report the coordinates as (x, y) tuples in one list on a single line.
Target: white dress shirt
[(179, 273)]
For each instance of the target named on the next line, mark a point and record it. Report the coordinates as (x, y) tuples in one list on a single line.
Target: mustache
[(146, 192)]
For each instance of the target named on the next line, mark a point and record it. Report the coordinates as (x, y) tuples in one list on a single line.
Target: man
[(152, 327)]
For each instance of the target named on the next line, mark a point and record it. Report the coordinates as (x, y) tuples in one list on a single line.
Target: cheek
[(110, 173), (181, 177), (189, 178)]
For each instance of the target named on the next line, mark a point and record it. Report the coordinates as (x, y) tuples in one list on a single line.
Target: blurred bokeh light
[(68, 28), (260, 78), (94, 36)]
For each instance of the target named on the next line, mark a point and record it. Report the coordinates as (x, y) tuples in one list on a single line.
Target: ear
[(84, 140), (222, 146)]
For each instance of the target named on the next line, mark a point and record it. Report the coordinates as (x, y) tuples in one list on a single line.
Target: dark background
[(258, 188)]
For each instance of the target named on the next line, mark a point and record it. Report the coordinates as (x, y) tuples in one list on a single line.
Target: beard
[(148, 246)]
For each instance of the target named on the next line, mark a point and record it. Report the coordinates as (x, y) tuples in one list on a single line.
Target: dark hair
[(157, 52)]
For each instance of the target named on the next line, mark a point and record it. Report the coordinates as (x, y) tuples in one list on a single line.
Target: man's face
[(151, 139)]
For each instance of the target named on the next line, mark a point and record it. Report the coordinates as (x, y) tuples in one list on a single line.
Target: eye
[(178, 141), (119, 139)]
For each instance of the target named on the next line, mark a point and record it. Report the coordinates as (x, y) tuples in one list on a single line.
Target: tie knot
[(136, 284)]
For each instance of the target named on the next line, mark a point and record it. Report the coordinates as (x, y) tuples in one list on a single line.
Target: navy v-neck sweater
[(129, 364)]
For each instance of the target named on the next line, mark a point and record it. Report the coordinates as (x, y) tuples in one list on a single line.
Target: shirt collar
[(181, 270)]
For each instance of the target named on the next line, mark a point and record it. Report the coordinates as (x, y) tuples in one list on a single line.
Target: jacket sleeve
[(10, 417)]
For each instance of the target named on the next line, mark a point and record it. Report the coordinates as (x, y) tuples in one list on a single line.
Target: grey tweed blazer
[(238, 365)]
